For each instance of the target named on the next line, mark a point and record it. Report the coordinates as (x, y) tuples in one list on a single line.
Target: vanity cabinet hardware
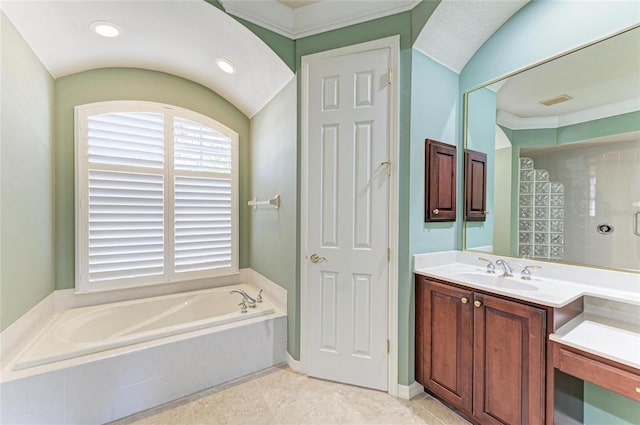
[(440, 181), (464, 300), (477, 304)]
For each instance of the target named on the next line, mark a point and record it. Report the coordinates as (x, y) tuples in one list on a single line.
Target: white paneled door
[(347, 237)]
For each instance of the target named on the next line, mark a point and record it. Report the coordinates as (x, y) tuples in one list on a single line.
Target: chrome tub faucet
[(246, 298)]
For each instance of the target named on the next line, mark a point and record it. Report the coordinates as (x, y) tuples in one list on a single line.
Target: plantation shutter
[(203, 198), (125, 196), (157, 193)]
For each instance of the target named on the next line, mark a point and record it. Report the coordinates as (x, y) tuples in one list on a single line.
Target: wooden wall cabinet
[(483, 355), (440, 181), (475, 184)]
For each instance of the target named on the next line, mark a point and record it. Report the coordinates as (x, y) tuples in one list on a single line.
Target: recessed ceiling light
[(226, 65), (105, 29)]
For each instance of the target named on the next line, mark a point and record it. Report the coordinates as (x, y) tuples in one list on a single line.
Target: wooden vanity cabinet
[(444, 342), (482, 354)]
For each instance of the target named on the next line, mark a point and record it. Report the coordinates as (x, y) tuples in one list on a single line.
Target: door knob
[(436, 211), (464, 300), (315, 258), (477, 303)]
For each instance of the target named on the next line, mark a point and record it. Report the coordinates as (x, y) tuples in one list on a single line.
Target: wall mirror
[(563, 158)]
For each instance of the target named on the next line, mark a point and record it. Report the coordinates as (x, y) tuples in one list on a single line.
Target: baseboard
[(294, 364), (407, 392)]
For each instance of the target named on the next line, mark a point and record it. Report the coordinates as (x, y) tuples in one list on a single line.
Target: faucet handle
[(526, 273), (491, 268), (243, 307), (259, 297)]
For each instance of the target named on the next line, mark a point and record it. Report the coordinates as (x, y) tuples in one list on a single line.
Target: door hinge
[(387, 167), (388, 255), (388, 346), (390, 74)]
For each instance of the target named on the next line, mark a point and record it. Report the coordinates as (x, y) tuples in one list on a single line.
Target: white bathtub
[(93, 329)]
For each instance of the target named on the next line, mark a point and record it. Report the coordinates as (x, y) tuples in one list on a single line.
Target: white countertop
[(613, 339), (610, 324), (554, 285)]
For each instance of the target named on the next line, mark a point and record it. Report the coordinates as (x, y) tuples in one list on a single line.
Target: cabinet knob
[(436, 211), (464, 300), (477, 303)]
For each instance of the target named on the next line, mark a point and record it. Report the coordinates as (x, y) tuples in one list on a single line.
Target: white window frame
[(81, 115)]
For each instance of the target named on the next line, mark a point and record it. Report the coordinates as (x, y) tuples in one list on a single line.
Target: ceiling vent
[(555, 100)]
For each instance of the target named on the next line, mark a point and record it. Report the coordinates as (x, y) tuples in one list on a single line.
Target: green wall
[(481, 137), (543, 29), (131, 84), (435, 111), (273, 172), (26, 158), (602, 407)]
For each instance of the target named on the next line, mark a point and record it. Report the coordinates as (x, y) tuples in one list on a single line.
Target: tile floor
[(279, 396)]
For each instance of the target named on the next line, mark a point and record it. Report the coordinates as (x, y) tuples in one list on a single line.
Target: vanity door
[(444, 341), (509, 362)]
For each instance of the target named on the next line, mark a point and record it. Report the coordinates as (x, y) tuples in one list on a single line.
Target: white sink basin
[(494, 280)]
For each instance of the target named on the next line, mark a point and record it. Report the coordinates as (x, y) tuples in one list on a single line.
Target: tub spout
[(246, 298)]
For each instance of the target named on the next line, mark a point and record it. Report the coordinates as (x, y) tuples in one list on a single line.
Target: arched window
[(156, 195)]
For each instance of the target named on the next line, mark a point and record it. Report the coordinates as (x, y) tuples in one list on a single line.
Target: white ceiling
[(184, 37), (180, 37), (602, 80), (457, 29)]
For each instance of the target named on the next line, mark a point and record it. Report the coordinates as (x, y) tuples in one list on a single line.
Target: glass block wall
[(540, 214)]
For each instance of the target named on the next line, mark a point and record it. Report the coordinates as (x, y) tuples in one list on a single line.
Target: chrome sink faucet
[(246, 298), (506, 267)]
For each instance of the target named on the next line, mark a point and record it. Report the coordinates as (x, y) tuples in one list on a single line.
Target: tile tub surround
[(280, 396), (140, 377), (122, 381)]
